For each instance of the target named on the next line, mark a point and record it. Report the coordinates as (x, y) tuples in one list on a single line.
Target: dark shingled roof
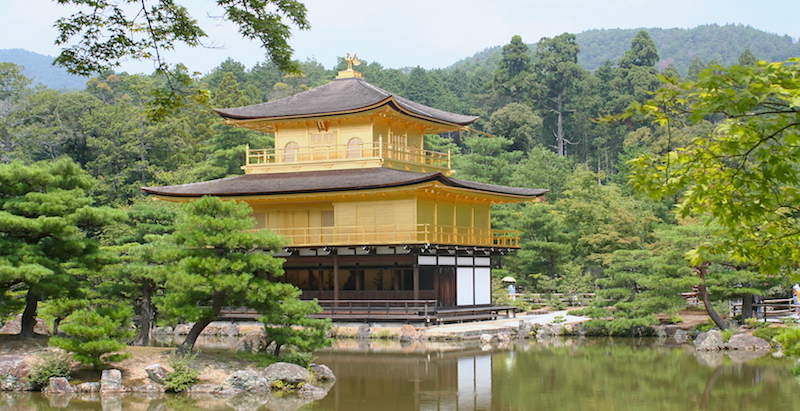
[(341, 95), (326, 181)]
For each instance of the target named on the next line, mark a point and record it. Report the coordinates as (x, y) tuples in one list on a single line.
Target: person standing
[(796, 298)]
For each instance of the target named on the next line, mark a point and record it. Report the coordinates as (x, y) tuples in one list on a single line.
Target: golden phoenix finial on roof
[(352, 61)]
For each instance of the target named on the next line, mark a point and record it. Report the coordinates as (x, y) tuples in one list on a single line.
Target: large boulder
[(286, 372), (14, 326), (252, 342), (111, 381), (14, 366), (12, 383), (407, 332), (230, 330), (747, 342), (60, 385), (247, 380), (156, 373), (322, 372), (710, 340), (363, 332)]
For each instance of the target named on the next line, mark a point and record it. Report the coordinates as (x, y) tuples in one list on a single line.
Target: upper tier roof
[(327, 181), (340, 96)]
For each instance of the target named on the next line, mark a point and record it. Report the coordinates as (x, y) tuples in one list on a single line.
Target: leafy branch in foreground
[(106, 32), (744, 175)]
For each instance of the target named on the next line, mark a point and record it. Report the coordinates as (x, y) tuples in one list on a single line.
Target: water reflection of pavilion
[(451, 379)]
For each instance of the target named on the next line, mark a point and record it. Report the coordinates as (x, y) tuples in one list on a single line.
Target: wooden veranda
[(406, 311)]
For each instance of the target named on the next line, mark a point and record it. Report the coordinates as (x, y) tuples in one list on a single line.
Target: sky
[(408, 33)]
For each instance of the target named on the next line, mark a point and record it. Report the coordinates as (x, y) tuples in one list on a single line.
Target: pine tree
[(215, 262), (47, 224)]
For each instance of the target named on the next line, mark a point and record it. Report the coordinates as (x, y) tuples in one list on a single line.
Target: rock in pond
[(286, 372)]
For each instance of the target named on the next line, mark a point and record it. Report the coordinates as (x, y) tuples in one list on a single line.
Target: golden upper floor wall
[(403, 219), (347, 123)]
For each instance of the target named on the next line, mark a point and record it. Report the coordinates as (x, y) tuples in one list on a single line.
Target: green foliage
[(727, 334), (12, 81), (768, 333), (789, 339), (705, 326), (556, 304), (487, 160), (287, 322), (303, 359), (642, 52), (741, 176), (754, 323), (49, 365), (513, 78), (94, 335), (184, 372), (93, 42), (47, 220), (213, 259)]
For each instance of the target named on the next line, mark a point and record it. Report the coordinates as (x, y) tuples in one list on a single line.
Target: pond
[(557, 374)]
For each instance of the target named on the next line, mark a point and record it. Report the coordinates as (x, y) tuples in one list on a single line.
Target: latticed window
[(354, 147), (323, 139), (322, 145), (327, 218), (398, 140), (290, 152)]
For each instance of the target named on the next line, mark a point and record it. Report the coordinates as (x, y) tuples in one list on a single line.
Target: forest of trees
[(551, 127)]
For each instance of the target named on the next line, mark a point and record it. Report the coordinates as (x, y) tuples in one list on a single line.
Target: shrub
[(727, 334), (593, 312), (703, 327), (768, 333), (51, 364), (790, 340), (303, 359), (382, 333), (754, 323), (93, 335), (556, 304), (675, 319), (184, 373)]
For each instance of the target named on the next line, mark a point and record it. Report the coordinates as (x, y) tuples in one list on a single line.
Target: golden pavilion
[(377, 227)]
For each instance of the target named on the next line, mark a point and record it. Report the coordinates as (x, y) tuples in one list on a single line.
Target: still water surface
[(560, 374)]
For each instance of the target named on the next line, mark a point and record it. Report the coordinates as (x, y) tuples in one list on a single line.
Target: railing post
[(448, 159)]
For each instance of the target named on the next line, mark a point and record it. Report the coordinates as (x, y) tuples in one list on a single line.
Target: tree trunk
[(747, 306), (28, 321), (560, 126), (146, 315), (277, 350), (703, 291), (216, 306), (56, 323)]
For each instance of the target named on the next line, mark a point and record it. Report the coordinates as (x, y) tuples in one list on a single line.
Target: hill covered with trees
[(40, 69), (676, 46)]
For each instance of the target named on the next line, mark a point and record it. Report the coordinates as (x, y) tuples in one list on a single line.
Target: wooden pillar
[(335, 278), (416, 282)]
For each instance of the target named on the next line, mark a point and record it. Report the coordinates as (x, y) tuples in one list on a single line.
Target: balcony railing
[(399, 234), (348, 152)]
